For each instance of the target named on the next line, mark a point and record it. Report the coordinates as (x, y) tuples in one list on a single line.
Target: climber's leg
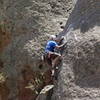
[(55, 60), (52, 59)]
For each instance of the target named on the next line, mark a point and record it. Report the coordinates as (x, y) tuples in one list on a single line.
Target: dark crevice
[(1, 64), (49, 95), (40, 66), (61, 23), (62, 27)]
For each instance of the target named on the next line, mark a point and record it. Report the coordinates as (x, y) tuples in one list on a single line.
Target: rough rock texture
[(24, 28), (79, 78)]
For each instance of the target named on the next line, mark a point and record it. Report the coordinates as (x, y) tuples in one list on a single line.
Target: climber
[(51, 45)]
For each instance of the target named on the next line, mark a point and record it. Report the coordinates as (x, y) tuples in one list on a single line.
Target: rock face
[(24, 28), (79, 78)]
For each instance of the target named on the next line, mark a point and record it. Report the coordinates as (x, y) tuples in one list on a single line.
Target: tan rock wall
[(24, 29), (79, 76)]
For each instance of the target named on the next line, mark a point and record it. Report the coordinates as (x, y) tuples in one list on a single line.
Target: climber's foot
[(52, 73)]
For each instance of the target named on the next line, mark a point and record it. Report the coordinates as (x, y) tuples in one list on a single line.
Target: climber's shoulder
[(52, 43)]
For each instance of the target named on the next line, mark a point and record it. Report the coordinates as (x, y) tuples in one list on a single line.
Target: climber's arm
[(60, 46)]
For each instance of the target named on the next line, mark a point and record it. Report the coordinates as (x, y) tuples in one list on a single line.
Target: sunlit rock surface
[(24, 29), (79, 78)]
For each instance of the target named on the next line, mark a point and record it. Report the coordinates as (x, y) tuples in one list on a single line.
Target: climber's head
[(52, 37)]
